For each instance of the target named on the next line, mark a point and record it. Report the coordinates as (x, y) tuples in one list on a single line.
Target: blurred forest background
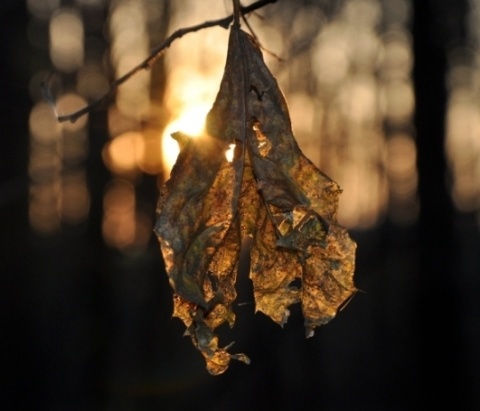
[(384, 97)]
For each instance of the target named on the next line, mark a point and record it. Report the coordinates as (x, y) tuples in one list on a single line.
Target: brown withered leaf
[(271, 194)]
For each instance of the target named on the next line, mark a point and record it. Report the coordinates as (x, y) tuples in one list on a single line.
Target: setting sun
[(191, 121)]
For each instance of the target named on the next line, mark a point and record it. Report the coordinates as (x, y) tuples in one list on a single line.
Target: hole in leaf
[(230, 152), (297, 283)]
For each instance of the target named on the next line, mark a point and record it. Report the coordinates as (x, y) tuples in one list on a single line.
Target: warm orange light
[(400, 167), (151, 160), (463, 148), (230, 152), (130, 45), (119, 215), (191, 121), (123, 153), (44, 128), (43, 207), (123, 226), (66, 40), (69, 103), (57, 195), (194, 71), (75, 198)]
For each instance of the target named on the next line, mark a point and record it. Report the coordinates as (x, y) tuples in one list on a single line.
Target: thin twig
[(236, 13), (155, 54), (276, 56)]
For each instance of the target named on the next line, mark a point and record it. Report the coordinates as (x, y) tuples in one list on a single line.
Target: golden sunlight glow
[(43, 125), (400, 166), (359, 99), (130, 45), (42, 207), (194, 70), (69, 103), (192, 122), (123, 227), (92, 82), (330, 55), (123, 153), (361, 59), (66, 40), (58, 189), (346, 74), (119, 214), (44, 169), (365, 193), (133, 97), (75, 198), (463, 148), (151, 160), (396, 57), (230, 152), (398, 100)]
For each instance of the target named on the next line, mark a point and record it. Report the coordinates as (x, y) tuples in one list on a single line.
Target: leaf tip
[(242, 358)]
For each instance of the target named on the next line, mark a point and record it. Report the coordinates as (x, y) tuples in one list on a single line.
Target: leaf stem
[(236, 13)]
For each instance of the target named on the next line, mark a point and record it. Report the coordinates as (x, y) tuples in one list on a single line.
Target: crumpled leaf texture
[(270, 194)]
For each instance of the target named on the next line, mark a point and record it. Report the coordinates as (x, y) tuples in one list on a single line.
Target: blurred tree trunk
[(437, 25)]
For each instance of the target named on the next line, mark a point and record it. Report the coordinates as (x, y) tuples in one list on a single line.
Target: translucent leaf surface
[(271, 194)]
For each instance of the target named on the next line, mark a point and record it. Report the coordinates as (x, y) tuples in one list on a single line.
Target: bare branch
[(236, 13), (259, 44), (155, 54)]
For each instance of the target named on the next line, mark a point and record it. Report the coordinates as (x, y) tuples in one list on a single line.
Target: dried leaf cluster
[(269, 202)]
